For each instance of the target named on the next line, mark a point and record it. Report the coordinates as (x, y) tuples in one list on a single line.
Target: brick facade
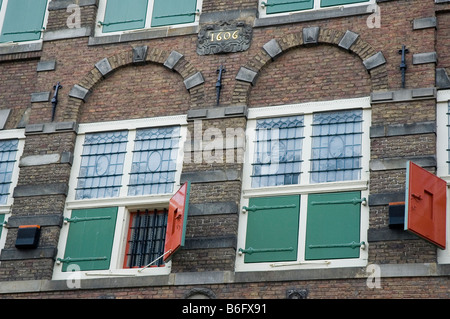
[(305, 59)]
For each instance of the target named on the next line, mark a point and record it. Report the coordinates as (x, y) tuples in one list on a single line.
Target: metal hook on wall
[(55, 99)]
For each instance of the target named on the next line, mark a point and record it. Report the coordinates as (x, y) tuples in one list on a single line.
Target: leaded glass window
[(101, 166), (336, 146), (8, 152), (278, 151), (154, 161)]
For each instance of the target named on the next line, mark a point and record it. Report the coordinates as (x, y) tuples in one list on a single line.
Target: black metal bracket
[(403, 66), (220, 71), (55, 99)]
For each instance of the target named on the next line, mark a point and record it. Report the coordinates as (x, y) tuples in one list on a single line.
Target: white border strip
[(132, 124), (308, 108), (443, 96)]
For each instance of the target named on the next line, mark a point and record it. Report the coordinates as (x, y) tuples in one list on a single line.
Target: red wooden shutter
[(426, 201), (176, 220)]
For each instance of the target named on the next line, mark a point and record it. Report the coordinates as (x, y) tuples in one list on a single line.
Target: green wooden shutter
[(333, 226), (2, 217), (90, 238), (123, 15), (329, 3), (279, 6), (23, 21), (168, 12), (272, 229)]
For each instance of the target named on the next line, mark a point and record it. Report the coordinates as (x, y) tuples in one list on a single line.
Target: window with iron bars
[(146, 237), (117, 165)]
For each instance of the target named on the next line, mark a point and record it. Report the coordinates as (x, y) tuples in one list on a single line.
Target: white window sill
[(312, 15), (131, 201), (72, 276), (143, 34), (344, 186), (20, 47), (300, 265)]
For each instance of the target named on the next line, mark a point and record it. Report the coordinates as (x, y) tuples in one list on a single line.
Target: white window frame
[(6, 208), (125, 203), (148, 20), (442, 144), (305, 187), (2, 19), (316, 7)]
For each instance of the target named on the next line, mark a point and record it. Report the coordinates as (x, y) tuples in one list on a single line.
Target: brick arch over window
[(175, 61), (373, 61)]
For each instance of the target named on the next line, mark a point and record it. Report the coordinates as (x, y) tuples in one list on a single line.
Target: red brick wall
[(300, 74), (17, 82), (391, 288)]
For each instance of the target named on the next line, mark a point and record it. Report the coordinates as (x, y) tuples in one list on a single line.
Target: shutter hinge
[(72, 260), (196, 13), (265, 4), (353, 201), (255, 208), (84, 219), (251, 250), (24, 32), (101, 23), (352, 245)]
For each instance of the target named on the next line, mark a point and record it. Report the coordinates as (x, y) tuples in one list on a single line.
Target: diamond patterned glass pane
[(154, 161), (278, 151), (8, 152), (101, 166), (336, 146)]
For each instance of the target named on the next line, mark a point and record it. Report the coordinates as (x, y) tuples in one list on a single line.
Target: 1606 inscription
[(224, 35), (224, 38)]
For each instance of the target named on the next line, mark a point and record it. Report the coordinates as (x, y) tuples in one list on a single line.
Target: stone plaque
[(224, 38)]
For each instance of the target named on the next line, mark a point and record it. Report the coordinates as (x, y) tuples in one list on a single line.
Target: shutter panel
[(333, 226), (90, 239), (329, 3), (168, 12), (176, 220), (279, 6), (425, 205), (2, 217), (272, 229), (24, 20), (121, 15)]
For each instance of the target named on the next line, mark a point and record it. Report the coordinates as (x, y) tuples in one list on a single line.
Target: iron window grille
[(336, 146), (146, 237), (278, 151), (8, 152)]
